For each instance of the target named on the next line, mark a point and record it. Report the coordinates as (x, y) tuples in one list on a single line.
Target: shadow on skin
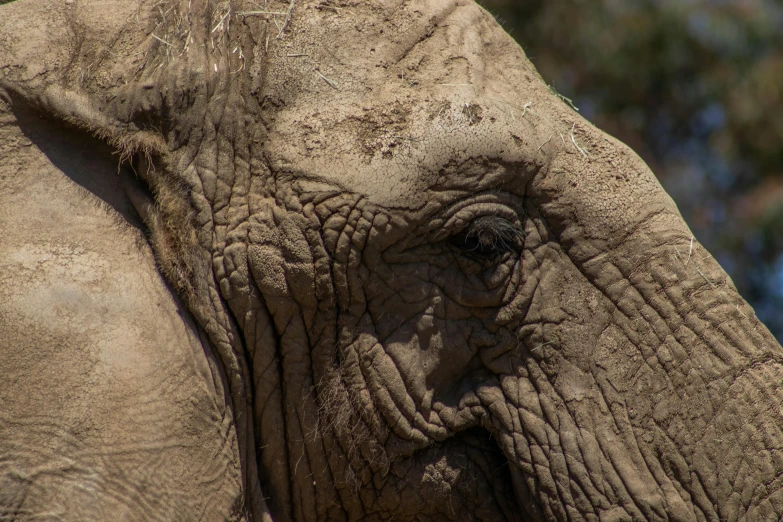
[(95, 166), (85, 160)]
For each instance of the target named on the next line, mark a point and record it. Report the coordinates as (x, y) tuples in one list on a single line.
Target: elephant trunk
[(674, 413), (702, 399)]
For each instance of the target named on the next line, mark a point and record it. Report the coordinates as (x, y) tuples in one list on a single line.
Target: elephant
[(350, 260)]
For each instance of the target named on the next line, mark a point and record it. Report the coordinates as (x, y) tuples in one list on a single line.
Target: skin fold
[(353, 260)]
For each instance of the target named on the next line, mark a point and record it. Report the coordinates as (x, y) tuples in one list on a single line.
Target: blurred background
[(696, 88)]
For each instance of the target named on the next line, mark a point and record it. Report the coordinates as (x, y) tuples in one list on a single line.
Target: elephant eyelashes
[(489, 237)]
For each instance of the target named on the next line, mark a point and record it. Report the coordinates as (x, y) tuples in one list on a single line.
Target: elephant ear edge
[(54, 66), (114, 83)]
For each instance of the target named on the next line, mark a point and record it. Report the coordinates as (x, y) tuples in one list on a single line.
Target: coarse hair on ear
[(159, 197), (164, 207), (190, 53)]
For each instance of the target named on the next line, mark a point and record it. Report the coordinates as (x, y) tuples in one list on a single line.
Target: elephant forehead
[(394, 102), (399, 161)]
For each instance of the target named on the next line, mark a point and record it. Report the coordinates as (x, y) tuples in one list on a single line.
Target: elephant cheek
[(572, 455)]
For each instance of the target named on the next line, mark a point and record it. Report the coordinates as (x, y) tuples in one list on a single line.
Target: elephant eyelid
[(488, 237)]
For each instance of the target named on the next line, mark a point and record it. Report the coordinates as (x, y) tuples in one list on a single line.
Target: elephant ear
[(151, 80), (69, 59), (122, 73), (144, 81), (68, 62)]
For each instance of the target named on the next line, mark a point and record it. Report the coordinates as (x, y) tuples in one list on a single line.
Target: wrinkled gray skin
[(354, 261)]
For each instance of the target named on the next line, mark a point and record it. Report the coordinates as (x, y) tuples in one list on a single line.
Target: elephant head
[(437, 292)]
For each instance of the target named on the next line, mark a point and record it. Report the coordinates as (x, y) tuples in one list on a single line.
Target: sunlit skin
[(369, 267)]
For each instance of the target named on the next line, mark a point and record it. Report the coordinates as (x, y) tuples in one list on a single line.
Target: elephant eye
[(489, 237)]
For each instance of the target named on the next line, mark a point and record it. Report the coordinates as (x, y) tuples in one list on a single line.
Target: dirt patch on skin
[(383, 131), (372, 131), (473, 113)]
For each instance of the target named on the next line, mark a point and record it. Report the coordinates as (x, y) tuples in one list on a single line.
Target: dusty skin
[(350, 260)]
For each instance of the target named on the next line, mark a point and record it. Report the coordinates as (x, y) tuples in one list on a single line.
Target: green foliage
[(696, 88)]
